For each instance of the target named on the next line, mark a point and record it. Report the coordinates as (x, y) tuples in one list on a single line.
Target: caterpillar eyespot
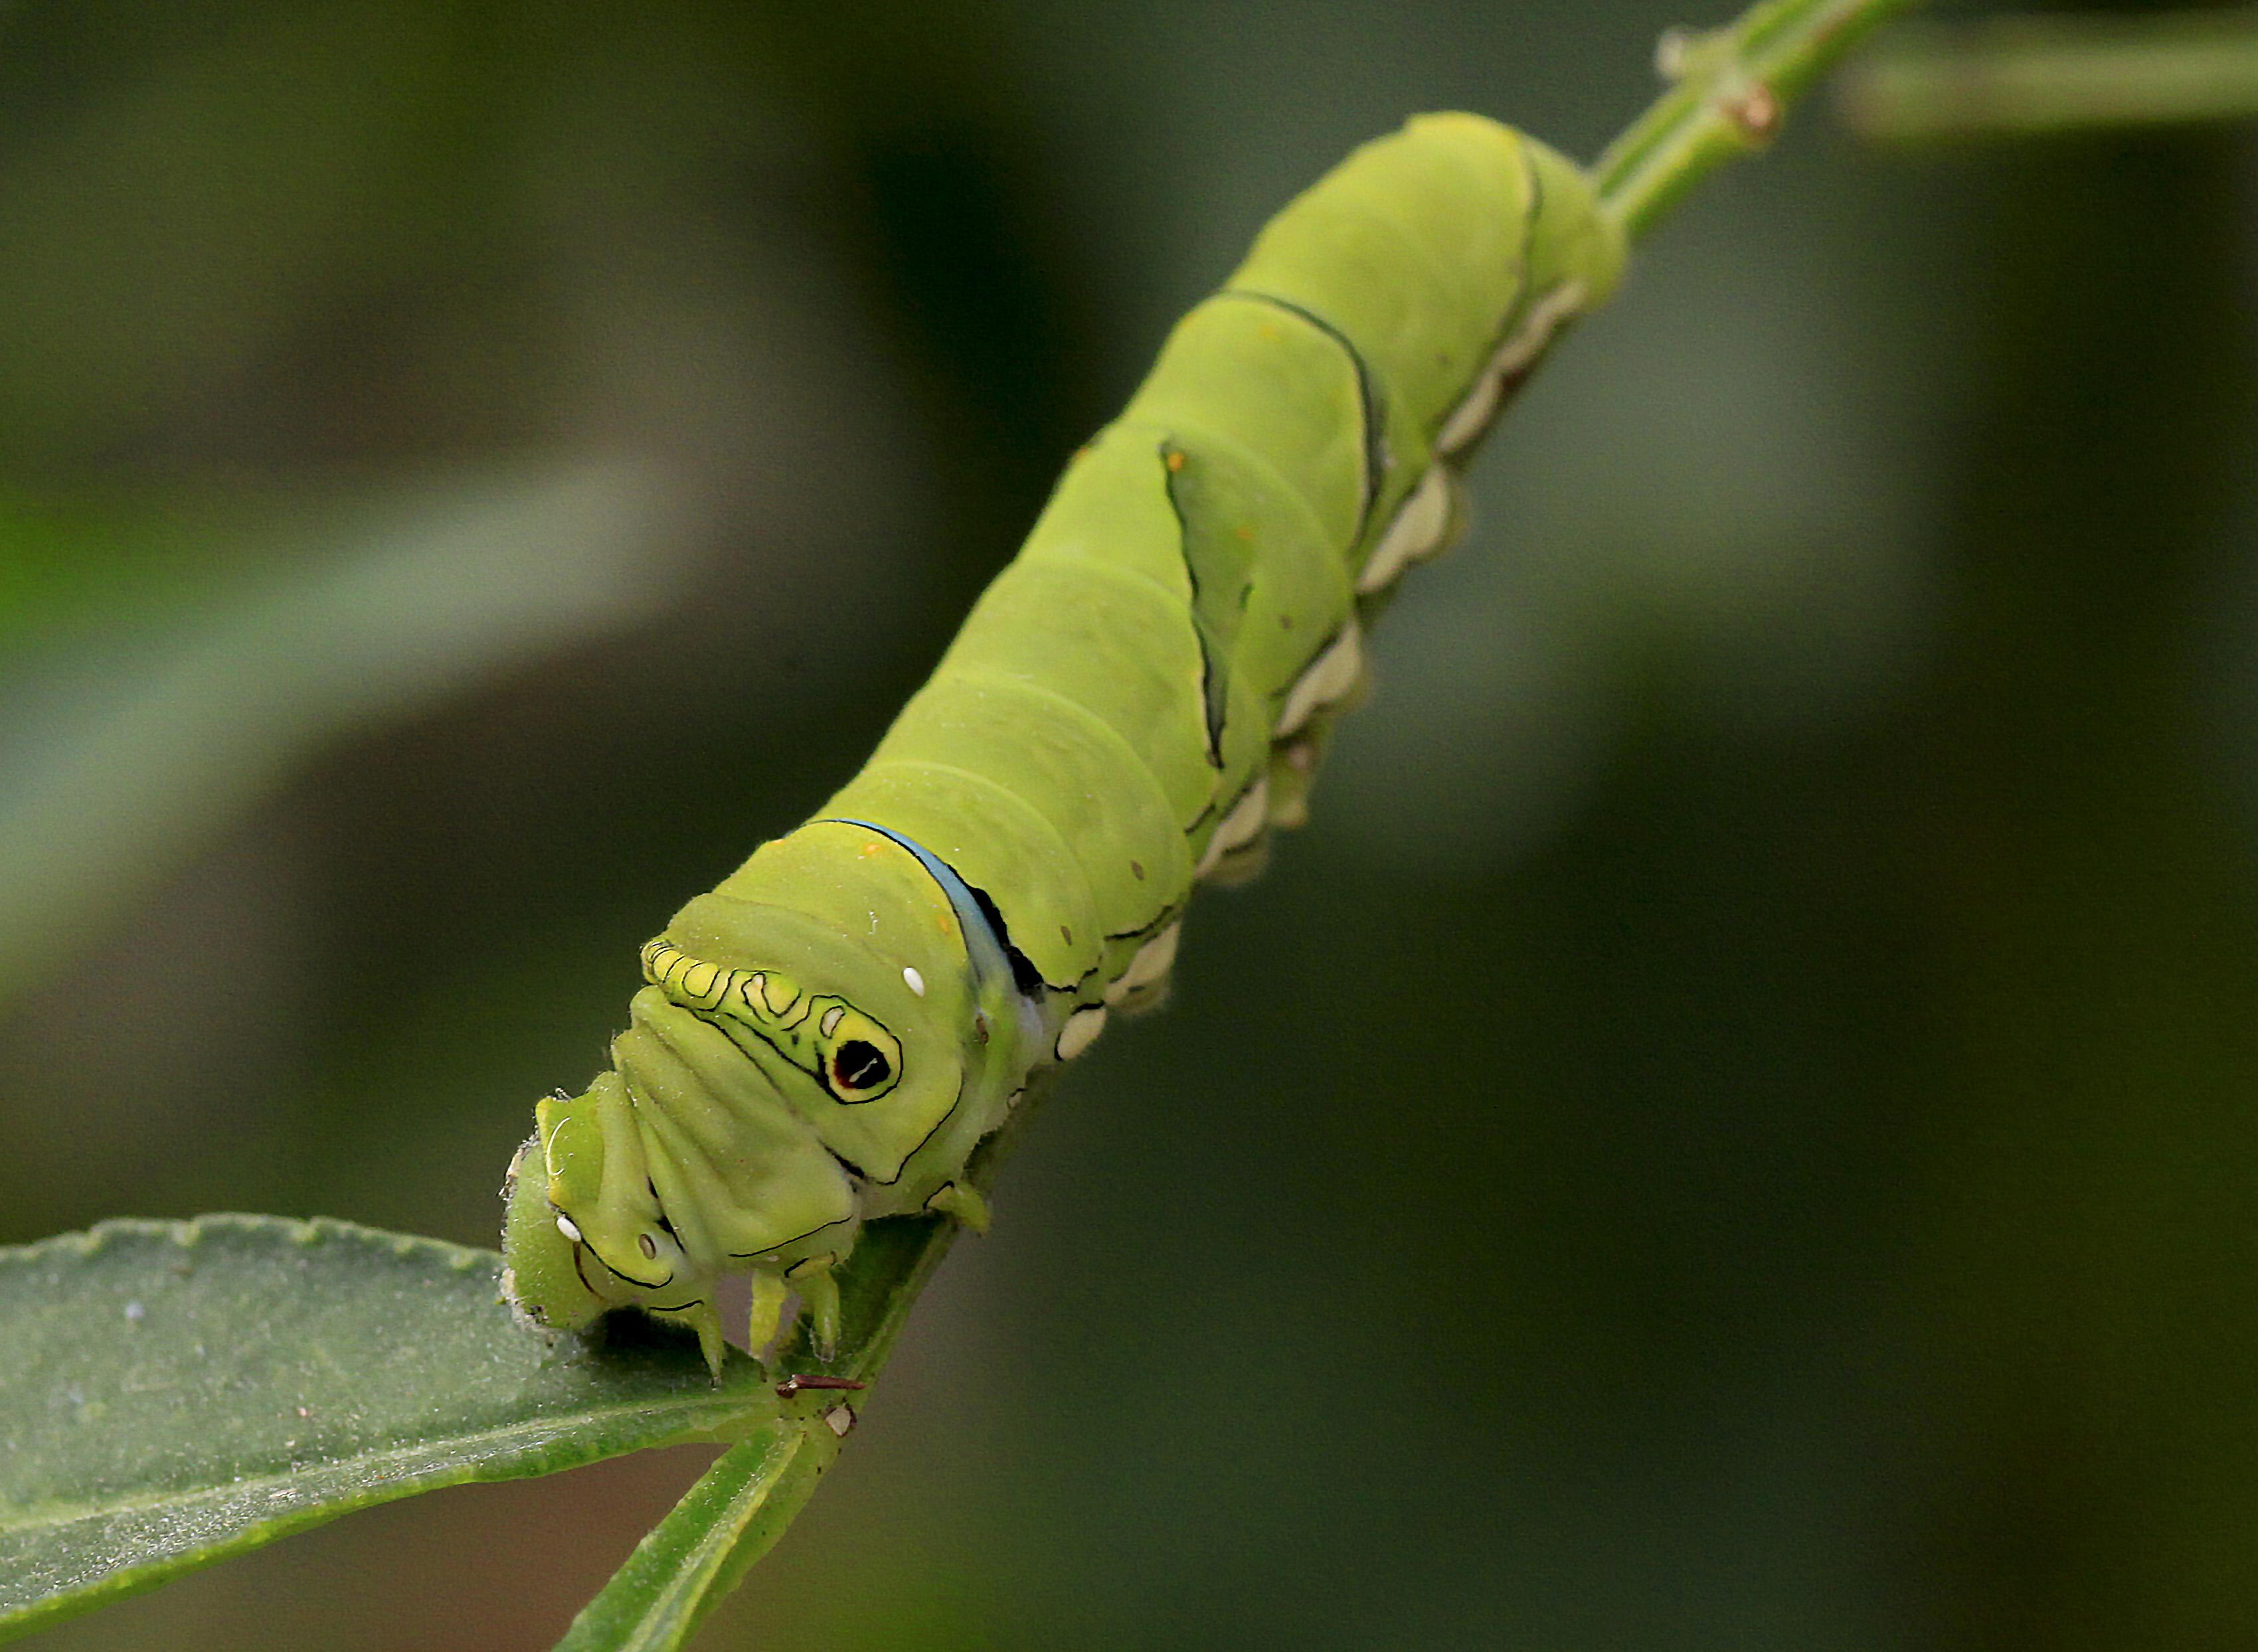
[(859, 1067), (1137, 703)]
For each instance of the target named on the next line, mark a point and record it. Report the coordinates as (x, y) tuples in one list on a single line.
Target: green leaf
[(173, 1393), (695, 1555)]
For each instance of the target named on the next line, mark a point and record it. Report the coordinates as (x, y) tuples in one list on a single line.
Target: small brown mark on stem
[(798, 1385), (1754, 109)]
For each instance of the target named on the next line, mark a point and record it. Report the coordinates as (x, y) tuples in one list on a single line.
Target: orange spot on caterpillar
[(1175, 459), (872, 850), (1244, 532)]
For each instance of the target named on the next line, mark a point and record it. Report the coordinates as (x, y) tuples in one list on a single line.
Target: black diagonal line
[(1371, 400), (1215, 670)]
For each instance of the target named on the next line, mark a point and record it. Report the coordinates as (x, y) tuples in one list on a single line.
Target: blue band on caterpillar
[(982, 944)]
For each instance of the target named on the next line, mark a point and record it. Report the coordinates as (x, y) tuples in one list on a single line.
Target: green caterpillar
[(1142, 693)]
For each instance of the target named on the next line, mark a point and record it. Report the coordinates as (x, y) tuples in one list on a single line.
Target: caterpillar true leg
[(818, 1295), (961, 1204)]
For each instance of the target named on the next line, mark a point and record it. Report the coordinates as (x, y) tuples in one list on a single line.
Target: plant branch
[(2013, 77), (685, 1564), (1730, 90)]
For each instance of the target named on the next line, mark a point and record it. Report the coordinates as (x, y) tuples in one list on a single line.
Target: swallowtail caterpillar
[(1139, 697)]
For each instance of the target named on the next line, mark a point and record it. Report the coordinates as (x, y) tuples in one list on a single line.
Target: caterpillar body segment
[(1132, 706)]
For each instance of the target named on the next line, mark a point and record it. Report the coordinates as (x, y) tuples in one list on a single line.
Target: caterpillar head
[(821, 1041), (585, 1231)]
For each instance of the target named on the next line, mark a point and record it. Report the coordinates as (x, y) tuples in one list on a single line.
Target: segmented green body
[(1142, 693)]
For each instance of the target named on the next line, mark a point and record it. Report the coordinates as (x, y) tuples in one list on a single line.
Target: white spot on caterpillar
[(914, 981), (1330, 678), (1080, 1030), (1416, 532), (1522, 346), (564, 1225), (1154, 960), (829, 1024)]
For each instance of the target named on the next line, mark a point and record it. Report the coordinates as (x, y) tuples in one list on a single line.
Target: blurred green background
[(1736, 1127)]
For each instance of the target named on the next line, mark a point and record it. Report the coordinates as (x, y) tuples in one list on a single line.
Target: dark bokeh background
[(1737, 1127)]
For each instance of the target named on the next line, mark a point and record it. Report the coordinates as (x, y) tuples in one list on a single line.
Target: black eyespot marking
[(859, 1065)]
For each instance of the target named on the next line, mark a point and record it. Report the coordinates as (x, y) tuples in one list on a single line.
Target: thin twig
[(2013, 77), (1730, 88)]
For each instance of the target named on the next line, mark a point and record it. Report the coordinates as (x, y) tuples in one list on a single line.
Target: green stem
[(2024, 76), (694, 1556), (1730, 88)]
